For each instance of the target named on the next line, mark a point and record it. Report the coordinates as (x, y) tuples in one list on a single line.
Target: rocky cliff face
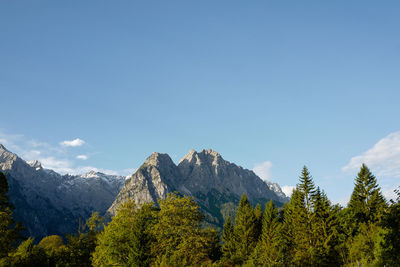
[(153, 180), (49, 203), (216, 184)]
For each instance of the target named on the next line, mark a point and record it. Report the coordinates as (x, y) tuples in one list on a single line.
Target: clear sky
[(271, 85)]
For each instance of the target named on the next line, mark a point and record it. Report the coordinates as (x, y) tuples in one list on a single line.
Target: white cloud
[(384, 161), (82, 157), (383, 158), (288, 189), (52, 157), (263, 170), (72, 143)]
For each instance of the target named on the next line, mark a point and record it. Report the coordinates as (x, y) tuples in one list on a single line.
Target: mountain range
[(47, 202)]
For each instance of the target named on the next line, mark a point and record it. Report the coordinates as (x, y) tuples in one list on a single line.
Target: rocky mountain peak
[(158, 159), (198, 158), (7, 158)]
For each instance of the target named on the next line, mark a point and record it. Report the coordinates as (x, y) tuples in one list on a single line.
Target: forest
[(307, 231)]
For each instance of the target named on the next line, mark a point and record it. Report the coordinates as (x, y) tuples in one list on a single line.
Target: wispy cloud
[(82, 157), (288, 189), (383, 159), (263, 170), (73, 143)]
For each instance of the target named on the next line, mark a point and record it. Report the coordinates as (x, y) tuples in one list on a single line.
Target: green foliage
[(81, 246), (9, 230), (127, 240), (367, 203), (364, 247), (228, 248), (27, 254), (391, 240), (54, 248), (325, 231), (180, 241), (245, 231), (267, 252)]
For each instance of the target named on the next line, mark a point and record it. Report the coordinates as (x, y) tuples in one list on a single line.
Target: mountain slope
[(49, 203)]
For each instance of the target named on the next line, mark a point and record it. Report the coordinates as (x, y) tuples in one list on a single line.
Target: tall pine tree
[(245, 231), (267, 252), (367, 204)]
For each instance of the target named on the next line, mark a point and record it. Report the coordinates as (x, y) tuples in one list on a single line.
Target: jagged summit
[(8, 159), (158, 159), (198, 158)]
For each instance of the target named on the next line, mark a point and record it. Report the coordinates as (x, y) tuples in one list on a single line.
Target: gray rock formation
[(216, 184), (49, 203)]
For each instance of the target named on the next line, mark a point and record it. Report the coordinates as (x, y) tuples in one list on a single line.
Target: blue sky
[(269, 84)]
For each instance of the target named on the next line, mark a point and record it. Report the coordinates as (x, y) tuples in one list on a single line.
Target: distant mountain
[(216, 184), (49, 203)]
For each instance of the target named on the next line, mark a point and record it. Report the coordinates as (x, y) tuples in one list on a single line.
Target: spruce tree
[(228, 238), (245, 230), (367, 203), (325, 231), (286, 234), (270, 241), (391, 241), (259, 220)]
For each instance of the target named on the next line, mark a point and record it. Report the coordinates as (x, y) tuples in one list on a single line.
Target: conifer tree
[(300, 228), (325, 231), (259, 220), (286, 235), (391, 241), (9, 231), (245, 231), (267, 251), (228, 238), (367, 203)]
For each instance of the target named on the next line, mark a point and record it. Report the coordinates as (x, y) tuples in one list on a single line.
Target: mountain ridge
[(215, 184), (50, 203)]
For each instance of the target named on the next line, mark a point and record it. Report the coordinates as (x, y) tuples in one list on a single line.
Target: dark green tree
[(367, 204), (259, 220), (245, 231), (9, 230), (27, 254), (325, 231), (391, 240), (267, 252), (81, 246), (228, 238)]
